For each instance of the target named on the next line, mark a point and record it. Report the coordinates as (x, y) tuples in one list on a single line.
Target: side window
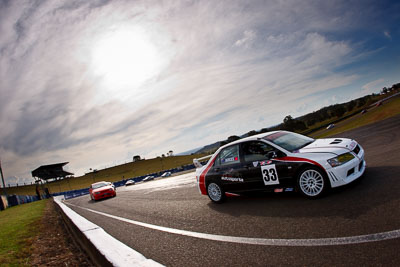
[(229, 155), (256, 151)]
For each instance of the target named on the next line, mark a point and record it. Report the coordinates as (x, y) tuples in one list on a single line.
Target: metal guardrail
[(14, 200)]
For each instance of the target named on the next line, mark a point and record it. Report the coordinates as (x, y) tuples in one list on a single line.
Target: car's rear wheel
[(215, 193), (312, 183)]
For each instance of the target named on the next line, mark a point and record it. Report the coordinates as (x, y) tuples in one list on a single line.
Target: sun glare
[(125, 59)]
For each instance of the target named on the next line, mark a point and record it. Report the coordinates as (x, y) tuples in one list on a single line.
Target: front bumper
[(104, 194), (349, 171)]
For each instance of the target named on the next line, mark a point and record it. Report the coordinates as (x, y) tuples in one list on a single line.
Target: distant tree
[(291, 124), (310, 122), (232, 138), (170, 153), (360, 102), (350, 106), (252, 132), (163, 155), (264, 130), (339, 111), (136, 158), (384, 90), (288, 120)]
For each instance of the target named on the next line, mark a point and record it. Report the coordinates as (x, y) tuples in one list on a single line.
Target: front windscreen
[(98, 185), (289, 141)]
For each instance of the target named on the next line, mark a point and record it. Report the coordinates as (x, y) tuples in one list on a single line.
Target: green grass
[(18, 229), (113, 174), (375, 114)]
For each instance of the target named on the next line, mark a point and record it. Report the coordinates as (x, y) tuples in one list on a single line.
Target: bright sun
[(125, 59)]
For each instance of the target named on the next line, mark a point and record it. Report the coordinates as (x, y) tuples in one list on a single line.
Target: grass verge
[(19, 227), (375, 114)]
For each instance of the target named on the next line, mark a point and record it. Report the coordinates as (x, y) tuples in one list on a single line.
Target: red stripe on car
[(231, 194), (295, 159), (202, 178)]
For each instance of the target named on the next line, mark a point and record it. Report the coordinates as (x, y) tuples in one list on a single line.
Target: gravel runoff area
[(54, 246)]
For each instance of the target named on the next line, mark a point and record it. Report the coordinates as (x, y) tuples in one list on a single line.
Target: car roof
[(250, 138)]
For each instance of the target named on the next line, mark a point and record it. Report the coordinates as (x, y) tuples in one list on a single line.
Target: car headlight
[(341, 159)]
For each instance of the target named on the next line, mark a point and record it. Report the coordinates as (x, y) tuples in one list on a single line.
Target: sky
[(94, 83)]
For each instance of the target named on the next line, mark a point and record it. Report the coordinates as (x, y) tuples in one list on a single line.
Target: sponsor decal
[(255, 163), (352, 145), (270, 175), (296, 159), (288, 189), (274, 136), (278, 190), (231, 179), (229, 159), (263, 163)]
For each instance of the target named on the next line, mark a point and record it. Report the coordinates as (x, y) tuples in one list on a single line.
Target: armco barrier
[(14, 200)]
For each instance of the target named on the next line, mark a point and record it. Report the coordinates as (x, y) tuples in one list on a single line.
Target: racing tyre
[(215, 193), (312, 182)]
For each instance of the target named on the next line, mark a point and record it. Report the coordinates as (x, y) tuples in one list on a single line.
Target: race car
[(130, 182), (102, 190), (148, 178), (166, 174), (280, 161)]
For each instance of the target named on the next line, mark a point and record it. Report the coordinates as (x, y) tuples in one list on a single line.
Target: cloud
[(373, 87), (227, 65), (249, 37), (387, 35)]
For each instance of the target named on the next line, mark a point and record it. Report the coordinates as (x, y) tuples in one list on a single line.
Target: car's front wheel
[(312, 183), (215, 193)]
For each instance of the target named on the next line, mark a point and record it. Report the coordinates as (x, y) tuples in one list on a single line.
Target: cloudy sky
[(96, 82)]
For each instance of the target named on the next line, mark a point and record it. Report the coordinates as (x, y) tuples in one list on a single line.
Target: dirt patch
[(54, 246)]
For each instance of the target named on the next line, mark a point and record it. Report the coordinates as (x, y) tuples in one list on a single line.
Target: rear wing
[(197, 162)]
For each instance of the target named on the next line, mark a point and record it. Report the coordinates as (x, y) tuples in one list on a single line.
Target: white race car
[(280, 161)]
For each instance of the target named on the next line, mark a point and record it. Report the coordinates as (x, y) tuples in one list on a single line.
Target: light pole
[(2, 178)]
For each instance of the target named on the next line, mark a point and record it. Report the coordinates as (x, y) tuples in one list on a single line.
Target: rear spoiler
[(197, 163)]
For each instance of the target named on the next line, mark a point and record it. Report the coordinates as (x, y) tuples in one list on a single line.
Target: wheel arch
[(306, 165)]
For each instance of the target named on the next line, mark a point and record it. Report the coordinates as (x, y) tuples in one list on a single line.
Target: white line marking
[(263, 241)]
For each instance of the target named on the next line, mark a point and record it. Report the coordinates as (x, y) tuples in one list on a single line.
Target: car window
[(289, 141), (229, 155), (256, 151), (95, 186)]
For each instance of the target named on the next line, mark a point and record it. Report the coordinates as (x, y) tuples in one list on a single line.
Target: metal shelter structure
[(52, 171)]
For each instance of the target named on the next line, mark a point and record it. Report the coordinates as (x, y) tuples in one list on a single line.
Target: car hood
[(330, 145), (104, 188)]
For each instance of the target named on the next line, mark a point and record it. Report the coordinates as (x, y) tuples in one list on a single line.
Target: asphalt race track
[(369, 206)]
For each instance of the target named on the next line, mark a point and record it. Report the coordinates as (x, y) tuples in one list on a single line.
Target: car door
[(259, 169), (225, 170)]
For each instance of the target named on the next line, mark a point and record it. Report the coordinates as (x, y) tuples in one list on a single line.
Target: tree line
[(310, 120)]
